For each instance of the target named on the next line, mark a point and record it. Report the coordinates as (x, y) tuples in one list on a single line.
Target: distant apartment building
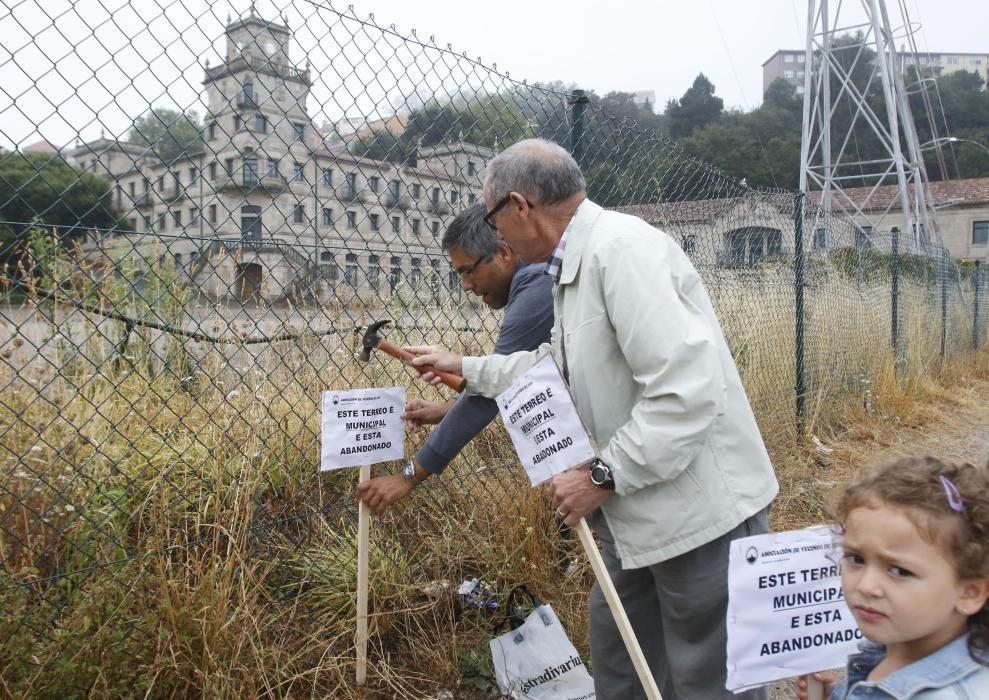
[(789, 65), (645, 98), (269, 207)]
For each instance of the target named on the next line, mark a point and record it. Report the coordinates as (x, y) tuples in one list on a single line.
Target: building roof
[(971, 191), (42, 147), (783, 51)]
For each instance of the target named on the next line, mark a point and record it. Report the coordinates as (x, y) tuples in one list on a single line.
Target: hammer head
[(371, 339)]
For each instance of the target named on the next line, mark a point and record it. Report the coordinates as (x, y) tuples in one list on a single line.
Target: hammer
[(372, 340)]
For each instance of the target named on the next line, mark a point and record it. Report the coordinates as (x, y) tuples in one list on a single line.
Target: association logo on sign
[(752, 555), (335, 399)]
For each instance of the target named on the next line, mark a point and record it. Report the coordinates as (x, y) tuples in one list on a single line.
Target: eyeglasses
[(499, 206), (469, 270)]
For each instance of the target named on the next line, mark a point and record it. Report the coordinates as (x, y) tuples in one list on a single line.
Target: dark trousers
[(677, 609)]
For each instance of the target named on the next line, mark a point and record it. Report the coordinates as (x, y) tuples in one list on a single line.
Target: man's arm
[(527, 323), (672, 348)]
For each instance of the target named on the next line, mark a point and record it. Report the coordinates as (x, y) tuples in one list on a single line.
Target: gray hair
[(538, 168), (469, 233)]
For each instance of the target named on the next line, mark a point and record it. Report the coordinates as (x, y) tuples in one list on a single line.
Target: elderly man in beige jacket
[(683, 469)]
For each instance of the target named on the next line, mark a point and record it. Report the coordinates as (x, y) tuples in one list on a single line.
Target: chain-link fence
[(228, 203)]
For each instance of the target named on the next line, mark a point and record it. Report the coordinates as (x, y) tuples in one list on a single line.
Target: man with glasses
[(682, 469), (489, 269)]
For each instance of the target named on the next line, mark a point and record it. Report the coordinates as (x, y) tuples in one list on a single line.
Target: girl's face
[(903, 590)]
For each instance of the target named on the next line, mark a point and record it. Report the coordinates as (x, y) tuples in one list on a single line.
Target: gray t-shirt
[(527, 324)]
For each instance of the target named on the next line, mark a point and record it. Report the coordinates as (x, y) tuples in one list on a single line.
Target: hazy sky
[(94, 65)]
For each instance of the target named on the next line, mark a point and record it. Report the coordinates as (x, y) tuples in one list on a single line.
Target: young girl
[(915, 574)]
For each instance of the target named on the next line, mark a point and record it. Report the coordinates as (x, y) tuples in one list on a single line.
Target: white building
[(269, 208)]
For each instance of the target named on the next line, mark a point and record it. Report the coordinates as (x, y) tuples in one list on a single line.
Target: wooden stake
[(815, 689), (621, 619), (363, 542)]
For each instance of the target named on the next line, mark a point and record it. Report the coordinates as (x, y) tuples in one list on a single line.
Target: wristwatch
[(601, 475), (409, 472)]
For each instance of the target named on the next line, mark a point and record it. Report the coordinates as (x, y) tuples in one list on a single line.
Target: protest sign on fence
[(362, 426), (786, 612), (543, 423)]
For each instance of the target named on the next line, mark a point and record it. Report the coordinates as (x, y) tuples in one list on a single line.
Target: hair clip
[(951, 492)]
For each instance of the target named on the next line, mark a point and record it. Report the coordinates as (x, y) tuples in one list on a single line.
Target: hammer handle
[(454, 381)]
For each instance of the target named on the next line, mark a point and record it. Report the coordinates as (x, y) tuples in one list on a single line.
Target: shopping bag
[(535, 658)]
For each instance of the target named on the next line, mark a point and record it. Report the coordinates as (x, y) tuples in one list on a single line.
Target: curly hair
[(913, 484)]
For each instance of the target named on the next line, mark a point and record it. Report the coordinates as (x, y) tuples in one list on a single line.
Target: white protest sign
[(543, 423), (786, 612), (362, 426)]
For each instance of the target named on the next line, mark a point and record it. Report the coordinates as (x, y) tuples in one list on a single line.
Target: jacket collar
[(947, 665), (583, 221)]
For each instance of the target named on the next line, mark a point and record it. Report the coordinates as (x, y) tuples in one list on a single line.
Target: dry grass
[(165, 531)]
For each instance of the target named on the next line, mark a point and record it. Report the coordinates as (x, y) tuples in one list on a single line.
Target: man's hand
[(419, 413), (383, 491), (575, 495), (436, 356)]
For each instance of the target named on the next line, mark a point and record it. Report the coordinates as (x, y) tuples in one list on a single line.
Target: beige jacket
[(654, 382)]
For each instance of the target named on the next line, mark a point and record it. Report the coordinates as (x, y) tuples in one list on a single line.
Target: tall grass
[(166, 532)]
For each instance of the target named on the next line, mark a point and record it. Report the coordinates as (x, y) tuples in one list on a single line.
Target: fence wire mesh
[(231, 201)]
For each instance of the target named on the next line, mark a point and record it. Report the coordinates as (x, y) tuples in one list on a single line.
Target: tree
[(697, 108), (170, 134), (43, 189)]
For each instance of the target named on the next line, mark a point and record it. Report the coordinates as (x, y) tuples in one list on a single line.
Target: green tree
[(697, 108), (170, 134), (43, 189)]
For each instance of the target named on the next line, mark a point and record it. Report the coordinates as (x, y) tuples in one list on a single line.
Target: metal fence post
[(894, 264), (577, 99), (944, 302), (976, 275), (798, 293)]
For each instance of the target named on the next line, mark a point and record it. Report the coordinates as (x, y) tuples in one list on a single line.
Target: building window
[(351, 219), (351, 184), (801, 58), (193, 175), (454, 196), (471, 168), (788, 74), (788, 58), (395, 274), (416, 190), (147, 223), (178, 258), (211, 131), (820, 239), (689, 243), (415, 274), (236, 122), (374, 183), (328, 177), (299, 213), (327, 217), (177, 218), (161, 222), (261, 123), (194, 215), (212, 170), (250, 171), (350, 271), (416, 226), (230, 167), (435, 228), (326, 256), (396, 224), (375, 222), (980, 233), (272, 167), (373, 271), (436, 195), (299, 131), (212, 213), (299, 172), (952, 60), (248, 93), (394, 188)]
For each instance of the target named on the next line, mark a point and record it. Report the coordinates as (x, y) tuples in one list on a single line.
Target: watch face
[(599, 473)]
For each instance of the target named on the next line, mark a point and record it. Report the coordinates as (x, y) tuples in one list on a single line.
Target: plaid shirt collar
[(554, 268)]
